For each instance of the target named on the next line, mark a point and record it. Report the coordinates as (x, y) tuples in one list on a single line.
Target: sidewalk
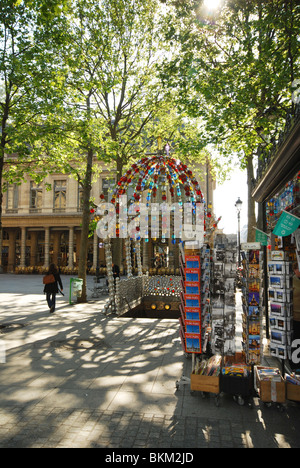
[(78, 378)]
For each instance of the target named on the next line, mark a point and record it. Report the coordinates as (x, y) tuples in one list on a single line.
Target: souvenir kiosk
[(217, 364), (277, 189)]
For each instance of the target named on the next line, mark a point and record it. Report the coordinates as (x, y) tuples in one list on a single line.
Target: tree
[(26, 70), (110, 53), (236, 72)]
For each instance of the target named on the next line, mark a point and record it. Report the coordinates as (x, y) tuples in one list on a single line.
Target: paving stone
[(122, 396)]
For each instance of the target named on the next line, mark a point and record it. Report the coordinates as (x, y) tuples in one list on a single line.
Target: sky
[(225, 196)]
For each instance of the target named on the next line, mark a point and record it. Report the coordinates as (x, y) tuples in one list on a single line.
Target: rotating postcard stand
[(269, 382), (190, 304), (240, 381), (195, 318)]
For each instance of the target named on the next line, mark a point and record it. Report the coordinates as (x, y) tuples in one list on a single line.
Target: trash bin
[(75, 288)]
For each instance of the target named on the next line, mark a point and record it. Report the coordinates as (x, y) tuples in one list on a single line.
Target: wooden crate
[(292, 392), (205, 383), (270, 391)]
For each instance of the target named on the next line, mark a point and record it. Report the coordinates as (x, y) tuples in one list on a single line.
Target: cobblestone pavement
[(39, 426), (78, 378)]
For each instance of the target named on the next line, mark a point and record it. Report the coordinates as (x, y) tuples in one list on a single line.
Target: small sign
[(286, 225), (250, 246), (261, 237)]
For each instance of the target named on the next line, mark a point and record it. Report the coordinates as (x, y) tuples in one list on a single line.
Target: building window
[(60, 196), (36, 197), (80, 198), (108, 186), (12, 198)]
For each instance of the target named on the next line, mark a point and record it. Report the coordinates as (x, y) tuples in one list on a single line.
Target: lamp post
[(238, 205)]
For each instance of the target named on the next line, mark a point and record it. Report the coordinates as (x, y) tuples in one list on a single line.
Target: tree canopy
[(100, 79), (236, 68)]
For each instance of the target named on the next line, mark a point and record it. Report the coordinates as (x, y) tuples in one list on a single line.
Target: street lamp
[(238, 205)]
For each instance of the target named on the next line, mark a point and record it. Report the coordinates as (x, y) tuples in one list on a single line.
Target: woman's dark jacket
[(53, 287)]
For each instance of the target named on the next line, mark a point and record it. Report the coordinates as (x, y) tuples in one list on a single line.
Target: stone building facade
[(42, 224)]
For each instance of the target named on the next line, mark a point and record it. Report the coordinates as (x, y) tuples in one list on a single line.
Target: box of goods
[(269, 384), (236, 376), (292, 387), (206, 376)]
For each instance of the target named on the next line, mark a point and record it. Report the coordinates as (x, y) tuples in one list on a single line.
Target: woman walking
[(51, 281)]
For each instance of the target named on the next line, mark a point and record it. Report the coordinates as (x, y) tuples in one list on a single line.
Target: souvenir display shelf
[(280, 301), (236, 377), (223, 314), (195, 277), (220, 369), (253, 306)]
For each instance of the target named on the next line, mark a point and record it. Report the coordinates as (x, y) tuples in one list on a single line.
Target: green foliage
[(236, 71)]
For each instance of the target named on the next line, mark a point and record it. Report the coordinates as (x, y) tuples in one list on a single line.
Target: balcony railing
[(267, 156)]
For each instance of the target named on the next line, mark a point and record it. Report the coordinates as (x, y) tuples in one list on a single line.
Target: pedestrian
[(51, 281), (116, 271)]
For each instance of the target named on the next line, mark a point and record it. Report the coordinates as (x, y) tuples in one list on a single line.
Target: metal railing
[(267, 155)]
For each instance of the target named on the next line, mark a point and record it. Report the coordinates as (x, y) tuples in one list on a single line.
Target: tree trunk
[(87, 187), (117, 244), (1, 202), (251, 202), (2, 153)]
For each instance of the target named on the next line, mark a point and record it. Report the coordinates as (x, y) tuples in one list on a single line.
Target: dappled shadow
[(80, 378)]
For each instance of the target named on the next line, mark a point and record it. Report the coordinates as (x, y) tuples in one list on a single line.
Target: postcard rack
[(223, 307), (281, 300), (236, 376), (253, 302), (194, 303), (194, 299)]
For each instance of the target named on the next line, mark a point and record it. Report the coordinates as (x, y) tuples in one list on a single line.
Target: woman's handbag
[(48, 279)]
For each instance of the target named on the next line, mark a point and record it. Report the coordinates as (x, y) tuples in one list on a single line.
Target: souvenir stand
[(253, 306), (277, 190), (282, 226), (273, 386), (223, 315), (253, 311), (280, 297), (195, 327), (235, 376), (190, 301)]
